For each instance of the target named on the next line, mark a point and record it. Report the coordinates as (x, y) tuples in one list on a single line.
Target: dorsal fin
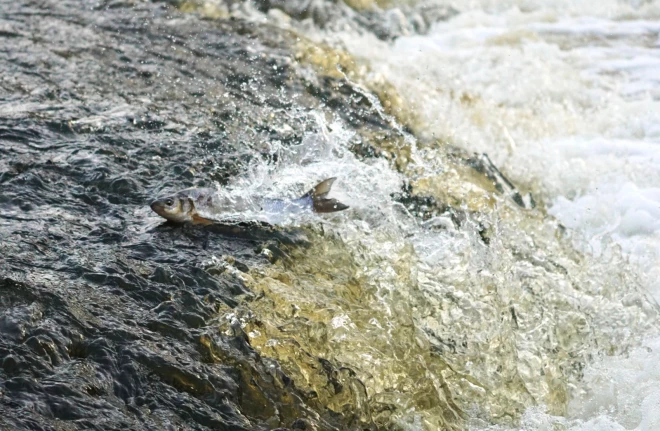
[(320, 190)]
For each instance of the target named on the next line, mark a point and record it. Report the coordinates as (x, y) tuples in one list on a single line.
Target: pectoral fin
[(197, 219)]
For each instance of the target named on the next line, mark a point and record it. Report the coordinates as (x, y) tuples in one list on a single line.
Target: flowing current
[(497, 269), (530, 332), (565, 98)]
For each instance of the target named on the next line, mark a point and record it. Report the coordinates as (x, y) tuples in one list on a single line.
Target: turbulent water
[(497, 268)]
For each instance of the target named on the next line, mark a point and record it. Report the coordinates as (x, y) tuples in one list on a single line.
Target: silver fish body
[(295, 206), (184, 206)]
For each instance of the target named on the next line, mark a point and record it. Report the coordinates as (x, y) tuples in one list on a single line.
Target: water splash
[(434, 322)]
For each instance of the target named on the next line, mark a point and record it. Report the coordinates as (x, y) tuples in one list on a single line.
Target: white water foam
[(619, 394), (320, 155), (567, 100)]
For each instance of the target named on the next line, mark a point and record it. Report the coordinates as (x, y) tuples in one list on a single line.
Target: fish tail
[(321, 203)]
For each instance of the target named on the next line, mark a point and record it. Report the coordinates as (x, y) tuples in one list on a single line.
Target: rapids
[(497, 268)]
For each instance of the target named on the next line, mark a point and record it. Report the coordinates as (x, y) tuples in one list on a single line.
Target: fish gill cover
[(444, 297)]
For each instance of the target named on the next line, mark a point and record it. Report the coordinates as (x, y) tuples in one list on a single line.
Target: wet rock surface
[(386, 23), (106, 315), (384, 19)]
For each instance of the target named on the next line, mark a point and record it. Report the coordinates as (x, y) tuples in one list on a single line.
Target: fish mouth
[(157, 207), (161, 209)]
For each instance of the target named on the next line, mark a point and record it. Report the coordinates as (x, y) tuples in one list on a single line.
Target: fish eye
[(169, 202)]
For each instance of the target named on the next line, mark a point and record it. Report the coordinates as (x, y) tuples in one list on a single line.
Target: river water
[(516, 290), (564, 97)]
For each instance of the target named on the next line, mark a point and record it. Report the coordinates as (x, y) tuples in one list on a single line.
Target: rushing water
[(446, 297), (564, 97)]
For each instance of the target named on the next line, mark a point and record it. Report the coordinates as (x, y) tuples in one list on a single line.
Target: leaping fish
[(184, 206)]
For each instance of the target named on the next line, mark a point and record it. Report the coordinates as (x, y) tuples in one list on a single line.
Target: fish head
[(174, 208)]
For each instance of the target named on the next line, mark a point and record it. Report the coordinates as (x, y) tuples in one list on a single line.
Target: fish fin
[(320, 190), (197, 219), (320, 202), (328, 205)]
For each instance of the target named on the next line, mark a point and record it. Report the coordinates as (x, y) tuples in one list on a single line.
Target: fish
[(184, 206)]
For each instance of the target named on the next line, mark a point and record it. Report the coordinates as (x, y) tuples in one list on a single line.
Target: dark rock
[(104, 312)]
